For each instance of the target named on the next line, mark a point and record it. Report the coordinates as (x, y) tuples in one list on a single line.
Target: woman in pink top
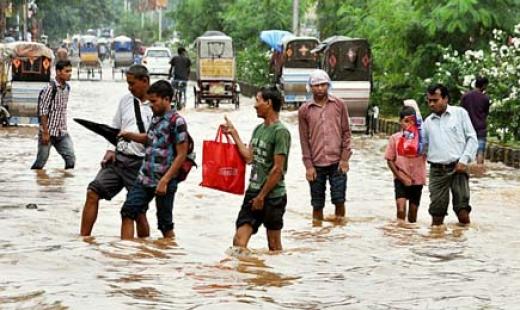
[(409, 171)]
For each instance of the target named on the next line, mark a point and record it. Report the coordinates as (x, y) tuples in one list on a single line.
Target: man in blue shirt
[(452, 144)]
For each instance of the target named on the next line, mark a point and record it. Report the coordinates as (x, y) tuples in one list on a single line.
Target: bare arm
[(182, 152), (245, 151), (44, 114), (272, 179), (399, 174), (134, 136)]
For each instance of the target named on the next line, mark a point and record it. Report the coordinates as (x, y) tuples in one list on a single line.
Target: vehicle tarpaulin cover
[(274, 38)]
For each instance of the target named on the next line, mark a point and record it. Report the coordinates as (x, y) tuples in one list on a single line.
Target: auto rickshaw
[(298, 63), (216, 74), (348, 61), (123, 54), (88, 57), (26, 70)]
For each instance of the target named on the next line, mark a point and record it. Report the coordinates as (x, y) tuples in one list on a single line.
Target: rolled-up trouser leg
[(460, 192)]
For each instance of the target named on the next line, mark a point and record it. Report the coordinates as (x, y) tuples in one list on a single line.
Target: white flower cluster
[(477, 55)]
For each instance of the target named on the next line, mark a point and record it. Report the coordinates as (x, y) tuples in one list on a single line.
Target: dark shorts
[(338, 186), (140, 195), (111, 179), (443, 179), (271, 215), (412, 193)]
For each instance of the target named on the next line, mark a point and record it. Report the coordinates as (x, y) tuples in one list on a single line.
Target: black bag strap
[(138, 117), (54, 90)]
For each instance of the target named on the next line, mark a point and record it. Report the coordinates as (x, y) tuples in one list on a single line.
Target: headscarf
[(317, 77)]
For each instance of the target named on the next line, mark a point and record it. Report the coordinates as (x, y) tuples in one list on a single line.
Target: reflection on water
[(364, 261)]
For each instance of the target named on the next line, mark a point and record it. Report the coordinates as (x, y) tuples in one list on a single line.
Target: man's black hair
[(444, 91), (162, 89), (406, 111), (181, 50), (273, 94), (60, 64), (481, 82), (138, 71)]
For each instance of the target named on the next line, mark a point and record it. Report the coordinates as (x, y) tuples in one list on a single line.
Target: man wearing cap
[(325, 142)]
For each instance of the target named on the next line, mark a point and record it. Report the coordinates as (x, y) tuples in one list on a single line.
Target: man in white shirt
[(120, 166), (452, 144)]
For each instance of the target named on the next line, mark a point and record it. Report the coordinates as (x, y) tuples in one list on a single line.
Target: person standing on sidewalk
[(52, 111), (451, 144), (477, 103), (325, 141)]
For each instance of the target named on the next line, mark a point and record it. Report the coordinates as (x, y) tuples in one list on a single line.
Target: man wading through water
[(452, 144), (325, 142), (120, 166)]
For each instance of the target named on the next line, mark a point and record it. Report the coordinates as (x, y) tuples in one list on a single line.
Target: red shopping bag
[(408, 143), (222, 165)]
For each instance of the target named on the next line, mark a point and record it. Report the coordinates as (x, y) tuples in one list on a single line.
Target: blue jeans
[(338, 186), (140, 195), (64, 147), (481, 146)]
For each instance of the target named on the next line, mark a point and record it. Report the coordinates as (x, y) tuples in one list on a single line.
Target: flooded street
[(368, 262)]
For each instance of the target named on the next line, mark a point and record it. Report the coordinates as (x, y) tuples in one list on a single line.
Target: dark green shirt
[(267, 142)]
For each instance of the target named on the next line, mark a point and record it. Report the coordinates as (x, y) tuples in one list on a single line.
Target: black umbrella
[(105, 131)]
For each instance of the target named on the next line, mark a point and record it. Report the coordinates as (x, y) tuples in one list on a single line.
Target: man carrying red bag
[(268, 153)]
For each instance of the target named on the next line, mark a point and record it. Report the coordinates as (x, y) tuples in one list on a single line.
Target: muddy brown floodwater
[(367, 262)]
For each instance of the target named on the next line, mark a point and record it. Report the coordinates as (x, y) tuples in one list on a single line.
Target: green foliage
[(73, 16), (500, 62), (194, 17), (242, 20), (253, 66), (130, 25), (408, 37)]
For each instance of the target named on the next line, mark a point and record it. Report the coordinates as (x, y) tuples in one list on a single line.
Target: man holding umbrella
[(120, 166)]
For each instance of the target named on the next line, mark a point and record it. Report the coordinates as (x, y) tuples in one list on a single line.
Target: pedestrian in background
[(477, 103), (52, 111)]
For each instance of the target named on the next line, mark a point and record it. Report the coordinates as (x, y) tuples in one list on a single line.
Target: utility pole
[(3, 11), (160, 23), (24, 27), (295, 20)]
